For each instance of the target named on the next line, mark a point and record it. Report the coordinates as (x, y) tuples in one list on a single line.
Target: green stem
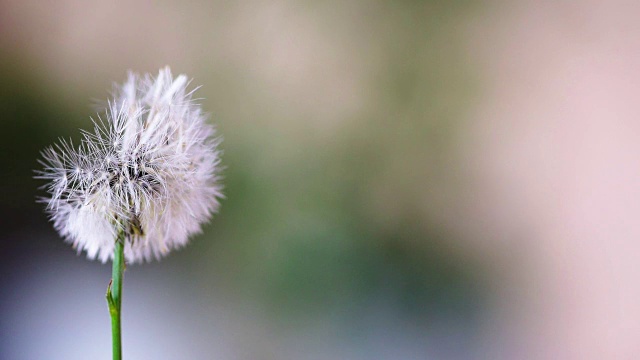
[(114, 295)]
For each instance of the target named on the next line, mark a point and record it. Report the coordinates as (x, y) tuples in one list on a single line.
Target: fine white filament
[(150, 168)]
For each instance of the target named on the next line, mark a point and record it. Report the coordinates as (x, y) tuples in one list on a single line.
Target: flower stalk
[(114, 295)]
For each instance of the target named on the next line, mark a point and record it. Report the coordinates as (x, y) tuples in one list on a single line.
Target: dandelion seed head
[(151, 169)]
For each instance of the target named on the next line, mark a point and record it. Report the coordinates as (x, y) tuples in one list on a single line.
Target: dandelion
[(141, 182), (149, 169)]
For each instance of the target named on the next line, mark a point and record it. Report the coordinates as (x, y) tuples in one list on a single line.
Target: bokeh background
[(405, 180)]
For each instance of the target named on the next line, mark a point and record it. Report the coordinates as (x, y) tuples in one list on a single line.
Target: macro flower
[(150, 170)]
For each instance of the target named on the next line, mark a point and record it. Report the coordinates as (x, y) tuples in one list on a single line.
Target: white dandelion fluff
[(150, 168)]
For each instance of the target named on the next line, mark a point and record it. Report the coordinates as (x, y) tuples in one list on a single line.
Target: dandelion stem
[(114, 295)]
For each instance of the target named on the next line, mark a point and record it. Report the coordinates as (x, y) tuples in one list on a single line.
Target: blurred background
[(405, 180)]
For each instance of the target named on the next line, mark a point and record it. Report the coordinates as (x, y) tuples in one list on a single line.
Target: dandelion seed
[(150, 170)]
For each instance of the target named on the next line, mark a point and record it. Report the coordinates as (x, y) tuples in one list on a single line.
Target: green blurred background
[(375, 208)]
